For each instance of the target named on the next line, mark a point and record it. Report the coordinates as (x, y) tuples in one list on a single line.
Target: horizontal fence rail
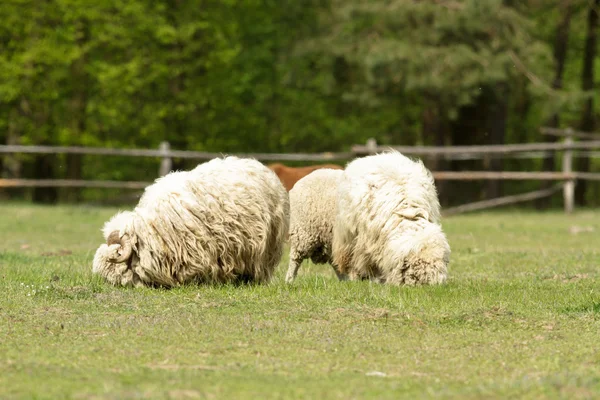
[(568, 147), (478, 149), (438, 175), (69, 183), (502, 201), (197, 155), (501, 175), (569, 133), (476, 154)]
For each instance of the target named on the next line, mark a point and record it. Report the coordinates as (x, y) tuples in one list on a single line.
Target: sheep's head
[(115, 260), (427, 262), (422, 256)]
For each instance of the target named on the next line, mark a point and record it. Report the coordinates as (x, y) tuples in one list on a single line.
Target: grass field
[(518, 318)]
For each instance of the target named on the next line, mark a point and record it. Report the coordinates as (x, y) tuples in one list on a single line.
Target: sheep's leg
[(294, 266), (342, 260), (363, 268)]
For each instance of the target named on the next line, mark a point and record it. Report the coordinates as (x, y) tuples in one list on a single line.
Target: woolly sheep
[(312, 213), (224, 221), (387, 225)]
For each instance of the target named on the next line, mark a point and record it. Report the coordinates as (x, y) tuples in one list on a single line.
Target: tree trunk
[(497, 116), (435, 131), (561, 42), (12, 166), (587, 83), (78, 112), (44, 164), (43, 168), (74, 165)]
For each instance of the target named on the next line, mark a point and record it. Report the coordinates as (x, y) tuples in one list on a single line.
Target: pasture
[(519, 317)]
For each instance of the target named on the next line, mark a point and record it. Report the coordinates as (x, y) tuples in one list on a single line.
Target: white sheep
[(312, 214), (387, 225), (224, 221)]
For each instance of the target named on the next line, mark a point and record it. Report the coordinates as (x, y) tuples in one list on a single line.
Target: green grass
[(518, 318)]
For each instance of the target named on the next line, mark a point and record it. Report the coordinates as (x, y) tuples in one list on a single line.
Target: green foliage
[(277, 76), (443, 50)]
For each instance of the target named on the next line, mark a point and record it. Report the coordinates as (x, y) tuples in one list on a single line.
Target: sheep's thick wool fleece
[(225, 220), (388, 222), (312, 214)]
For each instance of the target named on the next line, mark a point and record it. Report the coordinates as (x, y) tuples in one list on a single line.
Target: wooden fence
[(566, 177)]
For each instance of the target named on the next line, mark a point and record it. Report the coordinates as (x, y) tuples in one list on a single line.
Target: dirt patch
[(58, 253), (567, 278)]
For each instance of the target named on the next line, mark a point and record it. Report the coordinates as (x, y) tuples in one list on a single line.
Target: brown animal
[(290, 175)]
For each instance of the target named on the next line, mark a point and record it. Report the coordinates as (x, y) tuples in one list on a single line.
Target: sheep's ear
[(117, 222), (113, 238), (412, 214)]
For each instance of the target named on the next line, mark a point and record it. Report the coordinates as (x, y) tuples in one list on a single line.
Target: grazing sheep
[(290, 175), (387, 225), (224, 221), (312, 213)]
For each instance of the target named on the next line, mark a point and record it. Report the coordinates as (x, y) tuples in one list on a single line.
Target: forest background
[(292, 76)]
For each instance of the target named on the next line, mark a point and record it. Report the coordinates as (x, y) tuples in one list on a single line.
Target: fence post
[(372, 146), (567, 167), (166, 163)]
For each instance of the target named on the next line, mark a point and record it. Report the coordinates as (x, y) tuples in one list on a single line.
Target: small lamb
[(312, 214)]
